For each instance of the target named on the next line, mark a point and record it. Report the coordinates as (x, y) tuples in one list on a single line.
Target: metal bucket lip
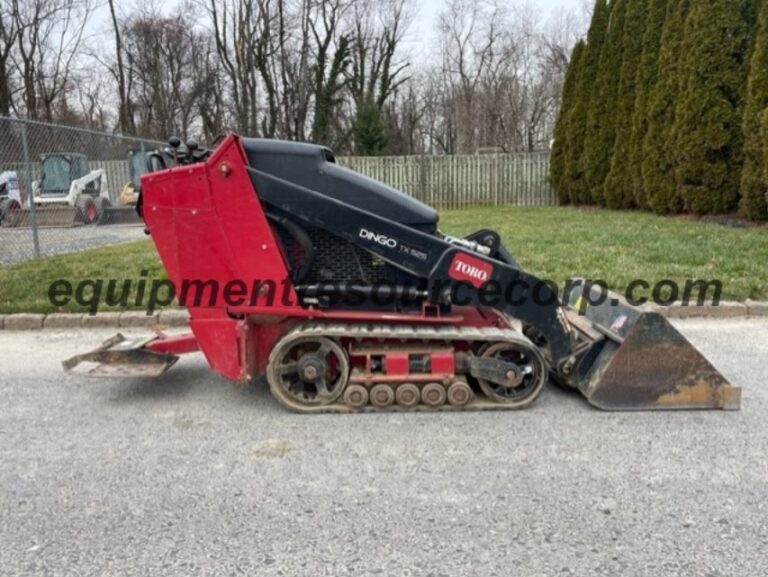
[(640, 362)]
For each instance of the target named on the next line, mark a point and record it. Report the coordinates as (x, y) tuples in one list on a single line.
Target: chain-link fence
[(65, 189)]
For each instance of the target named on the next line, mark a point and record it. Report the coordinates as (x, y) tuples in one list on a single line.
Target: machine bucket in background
[(118, 357), (119, 215), (644, 363), (59, 217)]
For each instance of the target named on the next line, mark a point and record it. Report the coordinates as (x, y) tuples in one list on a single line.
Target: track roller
[(433, 394), (382, 396), (459, 393), (356, 396), (408, 395)]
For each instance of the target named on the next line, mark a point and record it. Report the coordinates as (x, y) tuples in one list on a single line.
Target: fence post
[(31, 195), (423, 187)]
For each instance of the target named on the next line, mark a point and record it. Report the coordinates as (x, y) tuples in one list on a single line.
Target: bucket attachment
[(59, 217), (118, 357), (640, 362), (119, 215)]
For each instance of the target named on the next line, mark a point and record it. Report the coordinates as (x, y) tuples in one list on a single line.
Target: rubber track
[(383, 332)]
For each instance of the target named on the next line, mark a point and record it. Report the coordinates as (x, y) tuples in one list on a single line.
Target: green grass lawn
[(554, 243), (24, 286)]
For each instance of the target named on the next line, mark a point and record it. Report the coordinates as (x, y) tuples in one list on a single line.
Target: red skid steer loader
[(345, 294)]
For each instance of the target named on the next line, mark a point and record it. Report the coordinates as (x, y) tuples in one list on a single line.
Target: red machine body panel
[(212, 234)]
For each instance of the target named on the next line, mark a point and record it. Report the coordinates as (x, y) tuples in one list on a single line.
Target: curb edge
[(174, 318)]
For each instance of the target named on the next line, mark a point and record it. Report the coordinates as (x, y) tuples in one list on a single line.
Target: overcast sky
[(423, 26), (421, 31)]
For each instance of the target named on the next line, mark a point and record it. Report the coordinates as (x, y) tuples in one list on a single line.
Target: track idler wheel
[(307, 372), (520, 373)]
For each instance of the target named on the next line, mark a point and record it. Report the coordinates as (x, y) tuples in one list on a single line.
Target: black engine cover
[(314, 167)]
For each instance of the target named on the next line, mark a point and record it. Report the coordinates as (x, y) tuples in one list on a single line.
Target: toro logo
[(473, 270)]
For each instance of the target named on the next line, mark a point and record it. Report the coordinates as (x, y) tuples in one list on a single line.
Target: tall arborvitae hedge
[(765, 142), (754, 177), (582, 104), (659, 150), (751, 11), (562, 133), (618, 183), (647, 75), (708, 116), (601, 122), (666, 108)]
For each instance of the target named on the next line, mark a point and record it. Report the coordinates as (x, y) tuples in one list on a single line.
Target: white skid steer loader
[(67, 194)]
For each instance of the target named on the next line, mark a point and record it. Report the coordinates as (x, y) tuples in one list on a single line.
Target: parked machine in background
[(68, 193), (68, 182), (126, 212), (10, 194), (137, 165)]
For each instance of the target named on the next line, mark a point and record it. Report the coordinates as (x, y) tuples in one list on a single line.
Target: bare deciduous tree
[(332, 71), (498, 83), (125, 111), (162, 72), (9, 32), (50, 34), (236, 30), (377, 29)]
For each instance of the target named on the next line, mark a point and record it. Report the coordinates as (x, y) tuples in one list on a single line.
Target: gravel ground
[(192, 475), (16, 244)]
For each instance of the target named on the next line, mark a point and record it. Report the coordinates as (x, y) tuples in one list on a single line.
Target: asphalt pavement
[(17, 244), (194, 475)]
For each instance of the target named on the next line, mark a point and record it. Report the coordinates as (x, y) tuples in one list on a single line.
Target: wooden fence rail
[(462, 181), (440, 181)]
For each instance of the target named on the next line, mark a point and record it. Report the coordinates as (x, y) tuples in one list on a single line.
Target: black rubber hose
[(301, 236)]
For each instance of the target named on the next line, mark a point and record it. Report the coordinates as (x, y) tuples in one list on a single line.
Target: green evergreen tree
[(618, 183), (601, 123), (578, 189), (647, 76), (754, 178), (369, 132), (751, 11), (557, 166), (658, 165), (708, 116), (765, 142)]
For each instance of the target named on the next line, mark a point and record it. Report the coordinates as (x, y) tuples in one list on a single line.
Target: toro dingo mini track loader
[(347, 296)]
